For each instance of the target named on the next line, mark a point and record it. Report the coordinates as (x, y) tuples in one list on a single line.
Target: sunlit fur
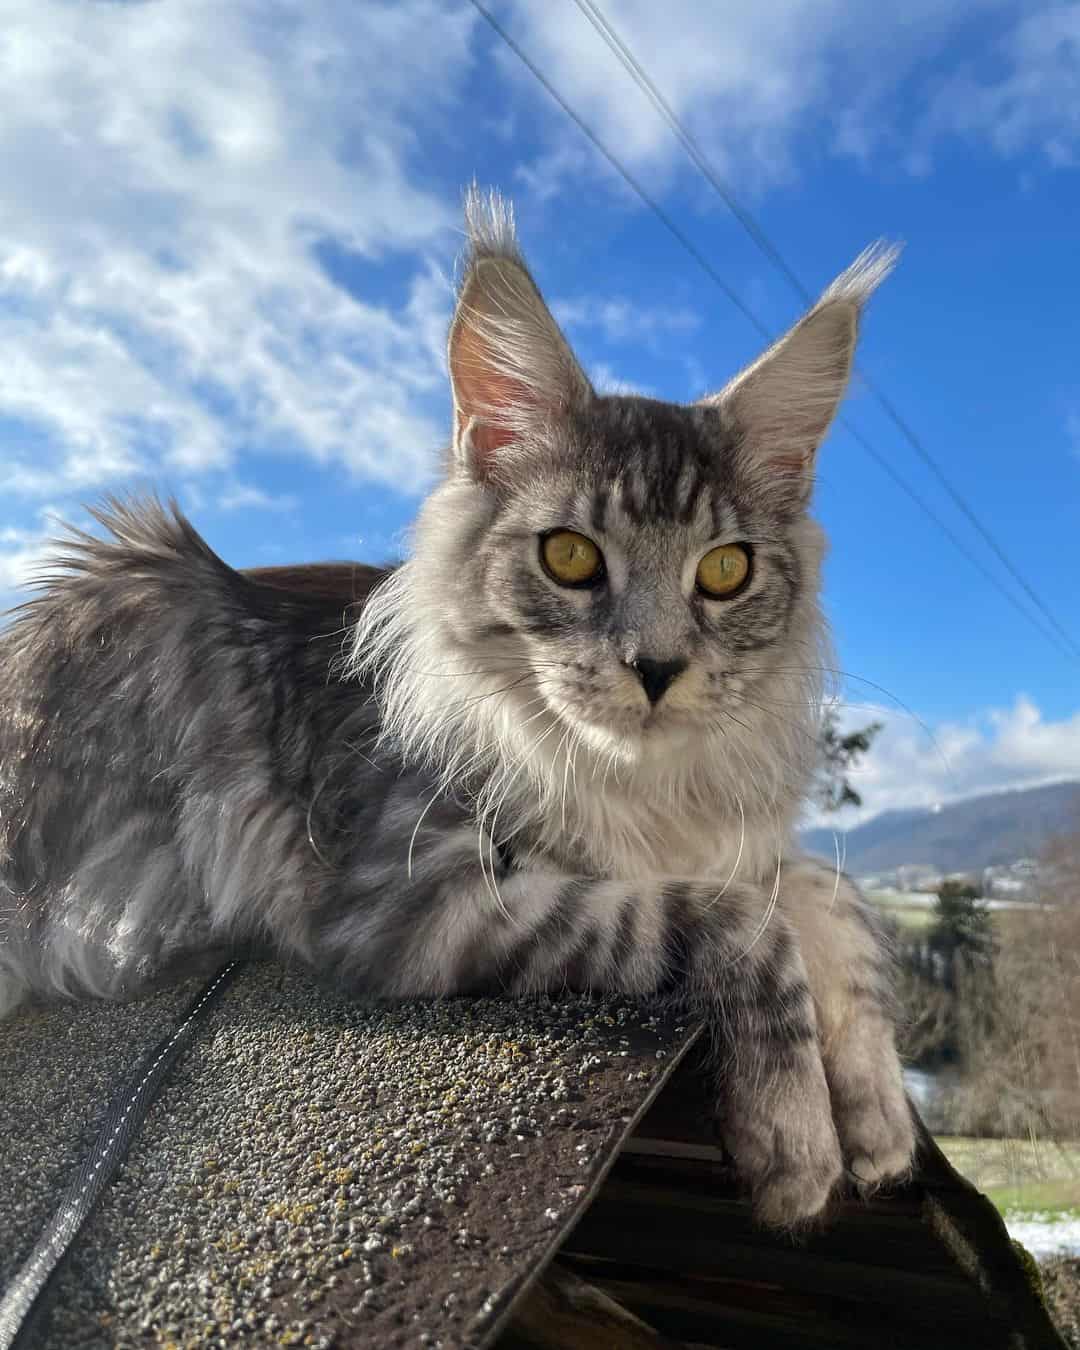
[(461, 784), (567, 748), (504, 682)]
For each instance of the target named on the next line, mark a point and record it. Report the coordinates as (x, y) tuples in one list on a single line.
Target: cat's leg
[(451, 927), (13, 988), (746, 976), (850, 971)]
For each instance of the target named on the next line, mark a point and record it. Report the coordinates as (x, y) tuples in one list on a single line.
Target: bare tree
[(1021, 1047)]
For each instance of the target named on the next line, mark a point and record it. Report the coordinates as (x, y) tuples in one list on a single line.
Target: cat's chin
[(643, 741)]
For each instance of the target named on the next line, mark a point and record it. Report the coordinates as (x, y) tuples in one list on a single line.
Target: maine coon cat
[(564, 744)]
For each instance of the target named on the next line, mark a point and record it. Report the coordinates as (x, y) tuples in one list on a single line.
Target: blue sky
[(228, 234)]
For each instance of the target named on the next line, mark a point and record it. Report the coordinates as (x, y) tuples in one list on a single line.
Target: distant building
[(1019, 880), (918, 877)]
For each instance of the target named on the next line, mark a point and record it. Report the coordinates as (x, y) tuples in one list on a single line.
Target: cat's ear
[(783, 404), (511, 370)]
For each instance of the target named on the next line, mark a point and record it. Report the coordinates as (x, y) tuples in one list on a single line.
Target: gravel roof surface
[(59, 1066), (319, 1172)]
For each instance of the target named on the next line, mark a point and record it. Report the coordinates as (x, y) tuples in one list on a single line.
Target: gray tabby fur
[(459, 783)]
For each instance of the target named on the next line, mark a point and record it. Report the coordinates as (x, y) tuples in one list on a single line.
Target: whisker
[(839, 867), (566, 771), (416, 830), (495, 817), (862, 679), (771, 906), (738, 858)]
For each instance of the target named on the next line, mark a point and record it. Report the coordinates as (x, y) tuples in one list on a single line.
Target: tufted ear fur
[(783, 404), (511, 370)]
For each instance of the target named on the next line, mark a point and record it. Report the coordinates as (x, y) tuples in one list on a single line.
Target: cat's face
[(644, 571), (647, 584)]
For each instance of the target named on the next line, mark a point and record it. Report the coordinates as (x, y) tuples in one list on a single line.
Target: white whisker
[(738, 858), (770, 907), (416, 831), (839, 867)]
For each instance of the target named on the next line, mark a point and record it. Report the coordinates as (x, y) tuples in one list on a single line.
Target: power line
[(757, 323), (883, 463), (640, 76), (624, 173), (593, 13), (687, 244)]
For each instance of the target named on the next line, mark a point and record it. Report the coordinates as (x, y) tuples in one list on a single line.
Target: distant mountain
[(963, 836)]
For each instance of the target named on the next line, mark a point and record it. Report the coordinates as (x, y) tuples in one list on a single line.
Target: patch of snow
[(1045, 1234)]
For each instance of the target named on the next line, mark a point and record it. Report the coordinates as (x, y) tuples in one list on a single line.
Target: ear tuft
[(511, 370), (784, 403), (864, 276), (489, 223)]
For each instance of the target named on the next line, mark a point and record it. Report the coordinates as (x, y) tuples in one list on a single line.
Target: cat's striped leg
[(454, 927), (850, 969), (745, 975)]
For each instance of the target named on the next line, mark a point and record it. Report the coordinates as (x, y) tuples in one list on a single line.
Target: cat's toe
[(878, 1139), (869, 1171), (792, 1197), (788, 1152)]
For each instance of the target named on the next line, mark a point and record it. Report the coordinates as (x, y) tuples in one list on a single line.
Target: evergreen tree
[(840, 752)]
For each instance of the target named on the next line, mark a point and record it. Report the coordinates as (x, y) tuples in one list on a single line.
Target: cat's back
[(144, 660)]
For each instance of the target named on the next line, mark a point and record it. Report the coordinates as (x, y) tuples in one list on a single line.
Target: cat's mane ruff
[(512, 754), (447, 706)]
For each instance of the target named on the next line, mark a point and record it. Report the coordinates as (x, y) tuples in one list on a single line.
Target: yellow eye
[(571, 559), (723, 570)]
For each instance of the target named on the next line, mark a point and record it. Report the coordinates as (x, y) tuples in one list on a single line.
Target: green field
[(914, 918), (1020, 1175)]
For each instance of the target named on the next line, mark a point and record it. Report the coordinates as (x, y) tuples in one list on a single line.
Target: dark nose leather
[(655, 676)]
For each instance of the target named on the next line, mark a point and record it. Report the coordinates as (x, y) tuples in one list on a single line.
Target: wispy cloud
[(1072, 430), (749, 79), (605, 381), (249, 497), (621, 320), (1029, 99), (23, 551), (170, 172), (912, 765), (746, 79)]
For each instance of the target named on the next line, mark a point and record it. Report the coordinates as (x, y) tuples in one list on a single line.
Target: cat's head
[(641, 570)]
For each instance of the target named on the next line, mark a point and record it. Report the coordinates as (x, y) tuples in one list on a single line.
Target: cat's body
[(563, 744)]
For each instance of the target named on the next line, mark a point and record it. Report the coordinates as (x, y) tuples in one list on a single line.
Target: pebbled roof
[(319, 1172)]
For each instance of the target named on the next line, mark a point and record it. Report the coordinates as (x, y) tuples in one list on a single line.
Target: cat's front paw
[(875, 1126), (786, 1149)]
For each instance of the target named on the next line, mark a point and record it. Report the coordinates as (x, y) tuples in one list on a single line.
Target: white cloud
[(248, 497), (169, 170), (912, 765), (545, 177), (749, 80), (605, 381), (23, 551), (746, 79), (166, 173), (1032, 99), (621, 320)]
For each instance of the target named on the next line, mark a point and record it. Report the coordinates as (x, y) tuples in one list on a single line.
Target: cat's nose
[(655, 676)]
